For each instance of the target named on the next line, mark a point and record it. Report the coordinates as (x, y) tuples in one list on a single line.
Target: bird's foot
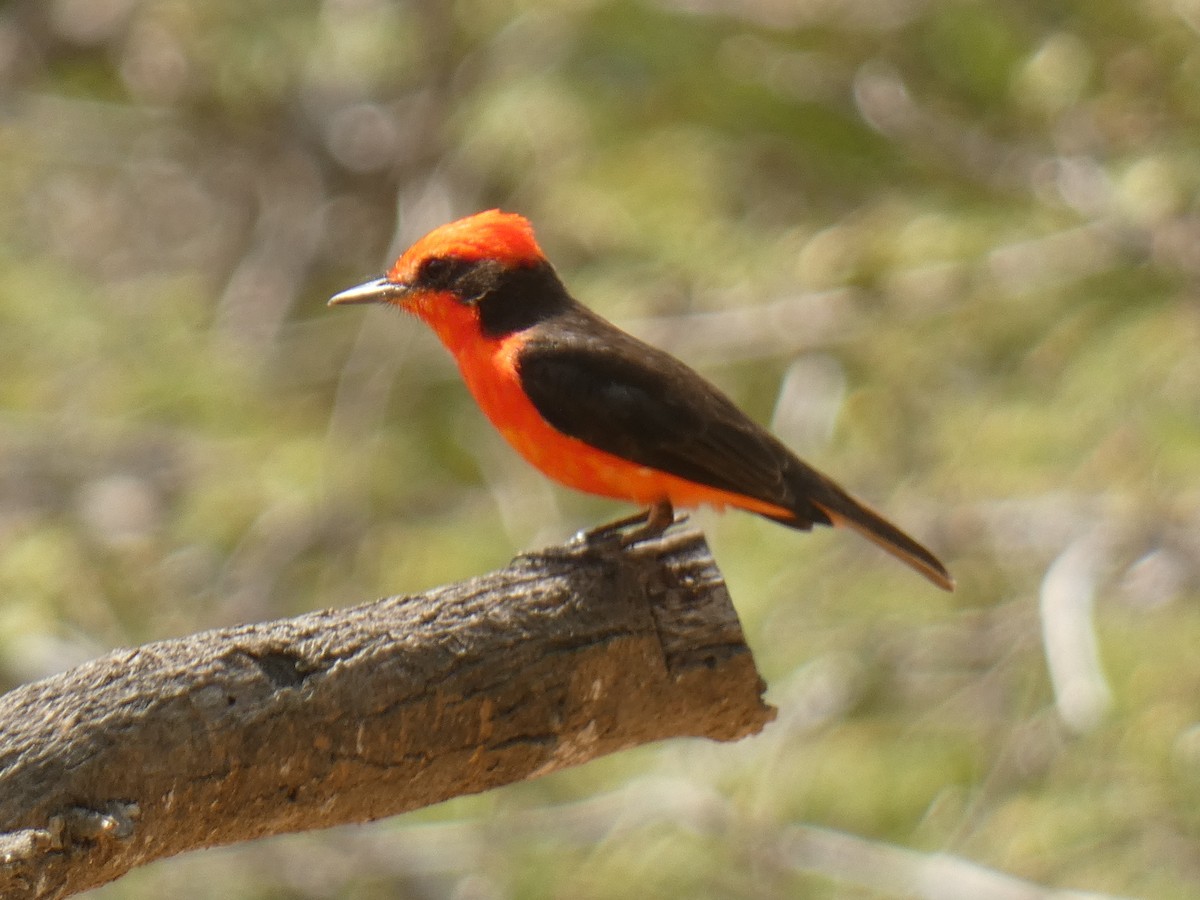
[(650, 524)]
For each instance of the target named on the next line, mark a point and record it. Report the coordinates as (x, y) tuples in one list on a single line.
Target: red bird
[(597, 409)]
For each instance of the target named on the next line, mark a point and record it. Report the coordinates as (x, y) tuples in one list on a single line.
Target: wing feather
[(594, 382)]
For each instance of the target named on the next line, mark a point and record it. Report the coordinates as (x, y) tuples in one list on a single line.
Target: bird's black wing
[(594, 382)]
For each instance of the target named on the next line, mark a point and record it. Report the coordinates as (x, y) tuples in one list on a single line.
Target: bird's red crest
[(505, 237)]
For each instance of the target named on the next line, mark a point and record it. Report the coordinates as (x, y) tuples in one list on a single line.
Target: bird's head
[(446, 277)]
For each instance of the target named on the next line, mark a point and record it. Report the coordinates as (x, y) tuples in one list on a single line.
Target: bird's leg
[(653, 521), (658, 518)]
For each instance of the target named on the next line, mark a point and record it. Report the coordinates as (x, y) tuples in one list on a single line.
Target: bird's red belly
[(489, 371)]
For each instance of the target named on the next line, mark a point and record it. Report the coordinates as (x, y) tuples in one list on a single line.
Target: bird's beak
[(378, 291)]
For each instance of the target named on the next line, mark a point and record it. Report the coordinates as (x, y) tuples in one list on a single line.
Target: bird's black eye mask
[(509, 298), (469, 280)]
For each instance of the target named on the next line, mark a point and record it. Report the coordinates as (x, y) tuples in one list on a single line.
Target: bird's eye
[(436, 271)]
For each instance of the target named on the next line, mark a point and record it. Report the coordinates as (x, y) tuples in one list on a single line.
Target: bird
[(594, 407)]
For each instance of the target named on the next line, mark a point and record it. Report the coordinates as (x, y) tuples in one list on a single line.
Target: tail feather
[(845, 511)]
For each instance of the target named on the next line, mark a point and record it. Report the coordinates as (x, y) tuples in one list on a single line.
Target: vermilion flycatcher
[(594, 407)]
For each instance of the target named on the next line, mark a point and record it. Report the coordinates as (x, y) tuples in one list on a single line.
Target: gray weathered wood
[(354, 714)]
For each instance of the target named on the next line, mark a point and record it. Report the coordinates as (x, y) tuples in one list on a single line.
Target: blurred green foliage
[(965, 234)]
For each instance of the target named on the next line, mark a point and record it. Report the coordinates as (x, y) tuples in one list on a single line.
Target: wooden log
[(355, 714)]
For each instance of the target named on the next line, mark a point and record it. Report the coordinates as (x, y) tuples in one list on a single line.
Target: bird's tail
[(845, 511)]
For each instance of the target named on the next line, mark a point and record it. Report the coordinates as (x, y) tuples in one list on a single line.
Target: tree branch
[(351, 715)]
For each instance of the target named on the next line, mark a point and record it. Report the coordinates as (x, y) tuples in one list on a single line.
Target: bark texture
[(355, 714)]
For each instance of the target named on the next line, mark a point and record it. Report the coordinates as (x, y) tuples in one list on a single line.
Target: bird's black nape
[(519, 297)]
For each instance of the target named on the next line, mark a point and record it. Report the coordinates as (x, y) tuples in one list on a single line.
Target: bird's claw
[(650, 524)]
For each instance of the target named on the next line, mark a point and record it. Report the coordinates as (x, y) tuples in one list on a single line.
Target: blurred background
[(949, 249)]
